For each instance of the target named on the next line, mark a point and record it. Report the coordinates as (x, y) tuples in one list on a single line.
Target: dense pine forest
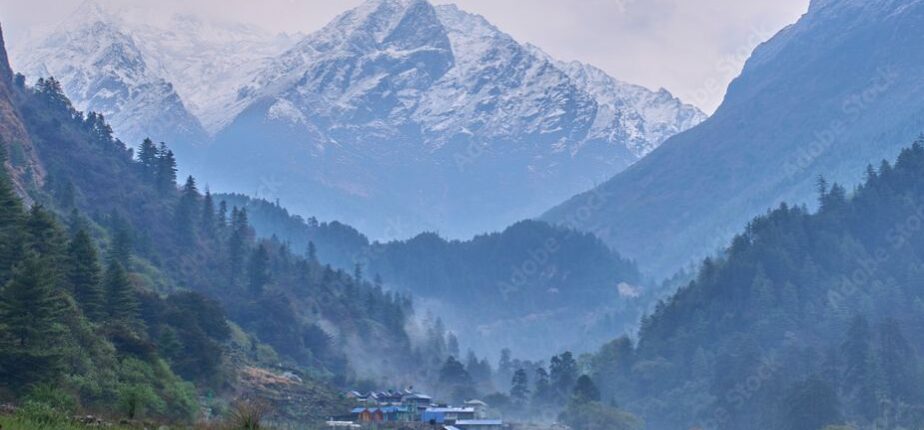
[(807, 320), (123, 286), (532, 278)]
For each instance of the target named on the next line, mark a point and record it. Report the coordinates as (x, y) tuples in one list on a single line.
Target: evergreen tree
[(84, 275), (51, 92), (312, 252), (898, 364), (11, 217), (237, 242), (123, 303), (46, 238), (120, 249), (452, 345), (29, 304), (563, 373), (821, 187), (148, 159), (259, 270), (543, 394), (519, 386), (166, 170), (505, 367), (169, 343), (811, 405), (453, 372), (222, 216), (186, 212), (31, 325), (585, 390), (63, 191), (859, 380), (455, 380), (207, 224), (480, 371)]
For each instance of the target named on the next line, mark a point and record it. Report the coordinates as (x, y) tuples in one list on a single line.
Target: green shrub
[(41, 414), (53, 397), (248, 415), (136, 400)]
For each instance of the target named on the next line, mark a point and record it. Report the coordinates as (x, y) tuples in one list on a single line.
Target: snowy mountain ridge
[(170, 75), (358, 112)]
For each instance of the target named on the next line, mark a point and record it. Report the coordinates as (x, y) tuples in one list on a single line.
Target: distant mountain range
[(160, 81), (826, 96), (398, 116)]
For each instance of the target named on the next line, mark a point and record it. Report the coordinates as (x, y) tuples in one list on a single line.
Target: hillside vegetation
[(808, 319)]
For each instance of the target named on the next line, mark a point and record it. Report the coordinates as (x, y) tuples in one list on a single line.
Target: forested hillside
[(809, 319), (121, 288), (534, 288), (75, 332)]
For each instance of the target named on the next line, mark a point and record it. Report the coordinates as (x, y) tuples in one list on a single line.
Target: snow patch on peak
[(286, 111), (635, 115)]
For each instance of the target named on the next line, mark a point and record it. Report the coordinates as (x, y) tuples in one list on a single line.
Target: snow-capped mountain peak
[(102, 69), (390, 84)]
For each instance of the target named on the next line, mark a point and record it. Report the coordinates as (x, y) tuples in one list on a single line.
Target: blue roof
[(453, 410), (479, 423)]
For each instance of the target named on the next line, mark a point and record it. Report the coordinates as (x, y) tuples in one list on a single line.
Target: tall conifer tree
[(84, 275)]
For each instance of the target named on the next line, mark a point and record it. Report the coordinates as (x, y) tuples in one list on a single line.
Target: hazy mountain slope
[(820, 309), (532, 287), (827, 95)]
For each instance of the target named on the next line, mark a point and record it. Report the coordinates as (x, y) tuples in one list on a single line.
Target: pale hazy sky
[(691, 47)]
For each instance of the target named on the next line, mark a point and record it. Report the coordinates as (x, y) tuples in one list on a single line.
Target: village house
[(367, 415), (417, 402), (406, 406), (385, 414), (480, 407), (446, 415)]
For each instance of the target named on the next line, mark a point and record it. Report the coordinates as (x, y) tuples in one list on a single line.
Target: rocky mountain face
[(21, 160), (397, 116), (826, 96)]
